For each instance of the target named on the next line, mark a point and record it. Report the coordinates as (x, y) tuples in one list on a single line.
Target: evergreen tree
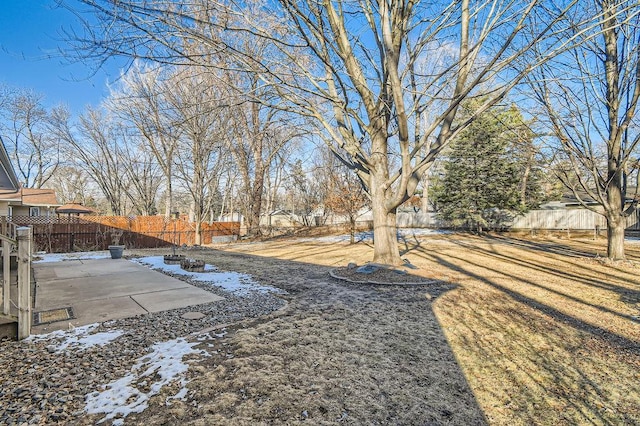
[(491, 172), (524, 152)]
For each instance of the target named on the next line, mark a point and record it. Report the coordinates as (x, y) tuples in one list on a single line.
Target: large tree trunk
[(256, 132), (615, 196), (615, 214), (256, 199), (352, 231), (197, 238), (385, 241), (424, 200), (615, 238)]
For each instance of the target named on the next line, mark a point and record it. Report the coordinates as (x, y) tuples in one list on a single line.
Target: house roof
[(75, 208), (30, 197), (8, 178), (39, 197), (569, 199), (10, 195)]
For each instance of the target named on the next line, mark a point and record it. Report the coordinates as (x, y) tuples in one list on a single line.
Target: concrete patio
[(105, 289)]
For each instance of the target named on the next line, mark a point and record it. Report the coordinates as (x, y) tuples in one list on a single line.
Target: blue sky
[(30, 30)]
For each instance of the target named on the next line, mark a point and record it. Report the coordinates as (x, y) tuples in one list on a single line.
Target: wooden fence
[(569, 219), (565, 219), (87, 233)]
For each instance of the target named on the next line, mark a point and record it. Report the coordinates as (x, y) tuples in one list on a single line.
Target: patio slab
[(105, 289), (166, 300)]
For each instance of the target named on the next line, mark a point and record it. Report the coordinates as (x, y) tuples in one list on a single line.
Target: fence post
[(24, 282), (6, 277)]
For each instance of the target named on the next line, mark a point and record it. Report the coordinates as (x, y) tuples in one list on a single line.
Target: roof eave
[(7, 166)]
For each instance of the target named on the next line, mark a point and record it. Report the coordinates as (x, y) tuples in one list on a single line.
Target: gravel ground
[(338, 353), (324, 352), (39, 385)]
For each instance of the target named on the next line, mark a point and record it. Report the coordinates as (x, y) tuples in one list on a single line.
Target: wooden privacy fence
[(561, 219), (87, 233), (578, 219)]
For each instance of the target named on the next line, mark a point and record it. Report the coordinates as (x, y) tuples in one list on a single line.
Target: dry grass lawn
[(522, 331)]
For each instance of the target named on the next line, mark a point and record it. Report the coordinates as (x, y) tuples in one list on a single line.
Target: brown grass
[(540, 330)]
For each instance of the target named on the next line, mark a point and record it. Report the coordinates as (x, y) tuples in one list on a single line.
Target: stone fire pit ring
[(192, 265), (173, 259)]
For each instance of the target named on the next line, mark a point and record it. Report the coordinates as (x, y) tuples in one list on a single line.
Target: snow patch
[(60, 257), (131, 394), (233, 282), (78, 338), (367, 236)]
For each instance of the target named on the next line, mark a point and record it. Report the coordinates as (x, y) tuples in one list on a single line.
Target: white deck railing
[(21, 246)]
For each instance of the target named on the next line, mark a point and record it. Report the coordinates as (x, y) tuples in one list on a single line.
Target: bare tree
[(361, 77), (275, 178), (34, 152), (259, 134), (342, 192), (93, 144), (356, 68), (199, 155), (140, 99), (188, 34), (304, 191), (590, 96), (72, 185), (142, 174)]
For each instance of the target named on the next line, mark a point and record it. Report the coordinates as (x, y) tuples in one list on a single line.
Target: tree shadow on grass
[(364, 354), (561, 376), (621, 342), (591, 272), (626, 294), (546, 247), (535, 327)]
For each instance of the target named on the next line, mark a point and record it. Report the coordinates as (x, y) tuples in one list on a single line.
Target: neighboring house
[(8, 199), (30, 202), (281, 219), (36, 202), (17, 201), (569, 201)]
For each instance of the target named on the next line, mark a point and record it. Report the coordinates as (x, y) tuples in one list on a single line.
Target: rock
[(367, 269), (408, 264), (193, 315)]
